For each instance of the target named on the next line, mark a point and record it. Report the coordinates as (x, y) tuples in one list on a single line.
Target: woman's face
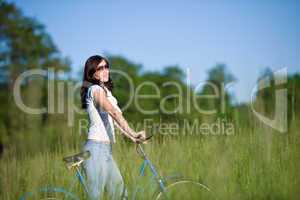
[(102, 72)]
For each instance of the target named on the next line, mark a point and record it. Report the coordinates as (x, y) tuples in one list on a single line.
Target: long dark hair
[(88, 80)]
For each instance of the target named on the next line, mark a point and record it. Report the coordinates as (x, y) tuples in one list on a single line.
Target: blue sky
[(246, 35)]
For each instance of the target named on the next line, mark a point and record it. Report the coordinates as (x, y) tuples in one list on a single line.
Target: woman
[(102, 109)]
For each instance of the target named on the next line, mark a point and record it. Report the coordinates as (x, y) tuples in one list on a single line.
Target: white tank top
[(101, 126)]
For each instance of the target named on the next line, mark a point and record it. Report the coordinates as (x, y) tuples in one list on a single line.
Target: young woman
[(103, 112)]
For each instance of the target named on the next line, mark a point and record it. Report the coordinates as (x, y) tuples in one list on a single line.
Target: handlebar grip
[(146, 139), (150, 136)]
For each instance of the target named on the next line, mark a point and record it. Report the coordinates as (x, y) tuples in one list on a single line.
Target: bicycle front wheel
[(184, 189)]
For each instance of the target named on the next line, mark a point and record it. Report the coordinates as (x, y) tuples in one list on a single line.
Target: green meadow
[(253, 164)]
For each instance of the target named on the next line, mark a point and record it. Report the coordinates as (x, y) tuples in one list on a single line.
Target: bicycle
[(173, 187)]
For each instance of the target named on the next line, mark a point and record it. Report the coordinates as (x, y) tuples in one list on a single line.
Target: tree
[(24, 45), (218, 78)]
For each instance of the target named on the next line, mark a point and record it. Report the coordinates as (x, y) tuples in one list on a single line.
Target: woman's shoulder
[(96, 87), (91, 90)]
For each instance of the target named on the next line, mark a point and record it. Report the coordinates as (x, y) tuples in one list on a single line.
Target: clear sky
[(246, 35)]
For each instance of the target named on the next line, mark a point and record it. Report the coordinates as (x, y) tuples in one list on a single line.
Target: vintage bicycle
[(162, 188)]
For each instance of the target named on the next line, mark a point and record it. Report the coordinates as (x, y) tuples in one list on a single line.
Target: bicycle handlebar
[(139, 148)]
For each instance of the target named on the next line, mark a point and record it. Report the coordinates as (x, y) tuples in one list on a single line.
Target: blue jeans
[(102, 172)]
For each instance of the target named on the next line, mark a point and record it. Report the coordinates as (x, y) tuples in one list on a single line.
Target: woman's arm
[(140, 134), (102, 100)]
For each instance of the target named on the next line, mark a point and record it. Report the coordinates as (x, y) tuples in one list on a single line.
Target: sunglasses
[(106, 66)]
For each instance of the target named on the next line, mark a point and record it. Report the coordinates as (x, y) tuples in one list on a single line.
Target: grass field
[(251, 164)]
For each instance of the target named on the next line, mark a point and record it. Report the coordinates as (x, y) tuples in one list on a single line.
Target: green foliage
[(25, 45)]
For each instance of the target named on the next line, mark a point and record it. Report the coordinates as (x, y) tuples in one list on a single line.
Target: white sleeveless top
[(101, 126)]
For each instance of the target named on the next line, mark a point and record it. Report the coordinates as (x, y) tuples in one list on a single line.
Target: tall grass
[(251, 164)]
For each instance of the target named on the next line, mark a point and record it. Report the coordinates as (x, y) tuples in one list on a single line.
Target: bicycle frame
[(81, 179), (146, 163)]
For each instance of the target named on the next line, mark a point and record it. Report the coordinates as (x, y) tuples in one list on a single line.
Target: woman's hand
[(139, 137)]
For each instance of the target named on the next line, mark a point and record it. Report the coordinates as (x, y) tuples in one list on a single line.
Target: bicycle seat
[(77, 159)]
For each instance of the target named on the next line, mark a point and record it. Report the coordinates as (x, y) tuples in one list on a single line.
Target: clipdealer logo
[(279, 122)]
